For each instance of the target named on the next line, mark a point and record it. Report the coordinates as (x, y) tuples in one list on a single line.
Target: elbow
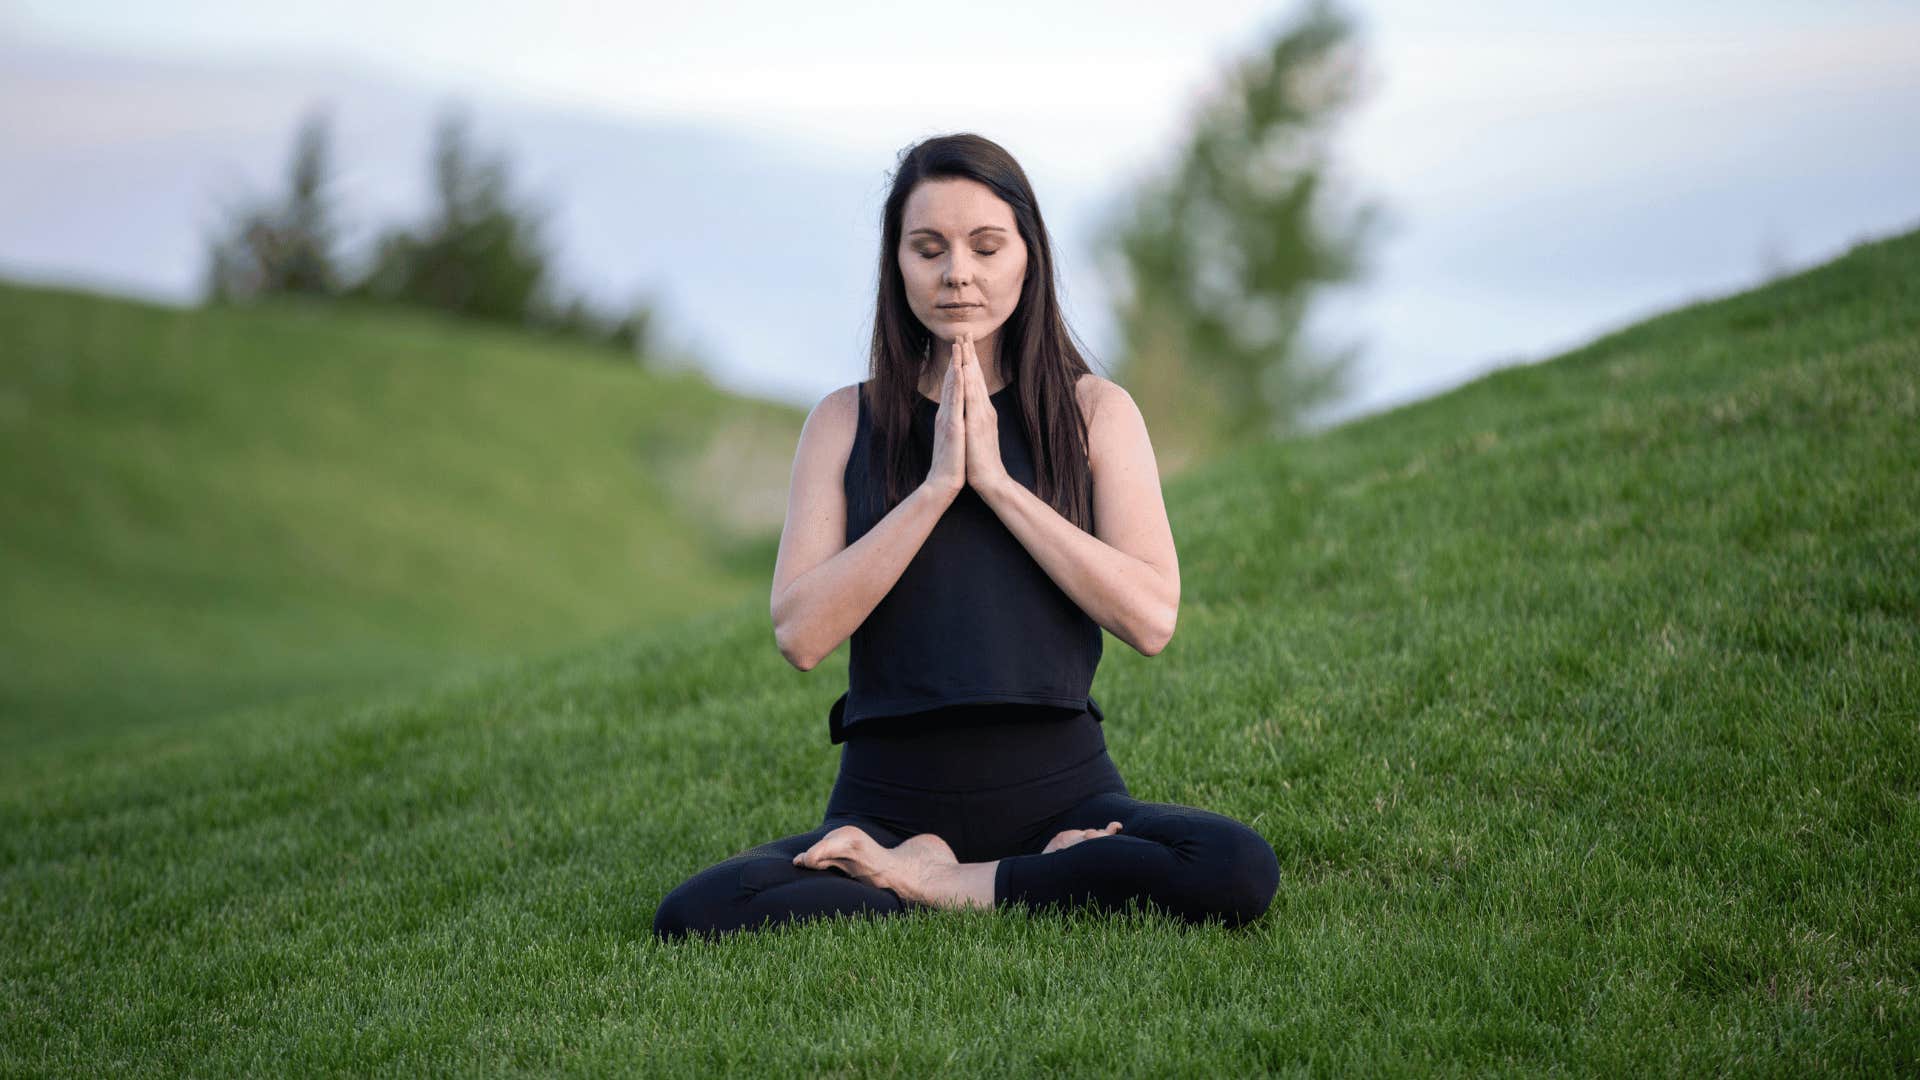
[(1158, 632), (784, 640), (803, 641), (801, 658)]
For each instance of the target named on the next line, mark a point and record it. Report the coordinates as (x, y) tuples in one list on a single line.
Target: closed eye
[(935, 255)]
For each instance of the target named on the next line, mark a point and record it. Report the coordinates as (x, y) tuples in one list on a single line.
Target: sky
[(1547, 170)]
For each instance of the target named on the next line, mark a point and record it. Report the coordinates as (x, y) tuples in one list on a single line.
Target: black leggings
[(994, 782)]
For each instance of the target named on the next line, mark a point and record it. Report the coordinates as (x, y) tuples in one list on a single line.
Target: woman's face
[(959, 245)]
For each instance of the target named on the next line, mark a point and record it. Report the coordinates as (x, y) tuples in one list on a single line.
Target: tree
[(1221, 257), (478, 253), (286, 247), (638, 332)]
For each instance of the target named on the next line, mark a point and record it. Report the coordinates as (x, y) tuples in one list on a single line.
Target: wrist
[(939, 494), (991, 490)]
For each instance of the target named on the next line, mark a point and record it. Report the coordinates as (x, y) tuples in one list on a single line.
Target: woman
[(973, 514)]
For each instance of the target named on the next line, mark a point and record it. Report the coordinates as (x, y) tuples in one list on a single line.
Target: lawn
[(1580, 704), (205, 508)]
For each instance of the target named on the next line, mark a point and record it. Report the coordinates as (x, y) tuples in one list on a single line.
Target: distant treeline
[(1217, 258), (477, 253)]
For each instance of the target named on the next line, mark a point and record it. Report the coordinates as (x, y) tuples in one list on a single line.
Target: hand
[(948, 473), (1066, 838), (985, 470)]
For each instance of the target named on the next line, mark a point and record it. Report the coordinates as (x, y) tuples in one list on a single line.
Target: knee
[(679, 915), (1246, 875)]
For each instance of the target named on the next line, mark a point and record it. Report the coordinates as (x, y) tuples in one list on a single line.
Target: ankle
[(927, 885), (958, 885)]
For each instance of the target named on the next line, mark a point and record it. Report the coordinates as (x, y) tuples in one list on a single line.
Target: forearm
[(1129, 597), (824, 606)]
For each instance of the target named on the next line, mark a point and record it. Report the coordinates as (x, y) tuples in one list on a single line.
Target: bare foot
[(1066, 838), (922, 860), (904, 868)]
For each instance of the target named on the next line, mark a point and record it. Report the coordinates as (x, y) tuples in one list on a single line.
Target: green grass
[(1579, 703), (205, 508)]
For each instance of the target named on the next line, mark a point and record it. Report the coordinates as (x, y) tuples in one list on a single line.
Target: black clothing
[(968, 716), (973, 618), (994, 790)]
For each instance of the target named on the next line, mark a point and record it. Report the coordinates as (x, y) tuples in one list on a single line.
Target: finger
[(957, 373)]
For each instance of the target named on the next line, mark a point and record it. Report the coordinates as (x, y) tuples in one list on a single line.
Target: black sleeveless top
[(973, 618)]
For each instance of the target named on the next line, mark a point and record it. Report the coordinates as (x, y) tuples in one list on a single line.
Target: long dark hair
[(1035, 348)]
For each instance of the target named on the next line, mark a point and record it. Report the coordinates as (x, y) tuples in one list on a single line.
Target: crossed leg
[(1193, 863), (761, 887)]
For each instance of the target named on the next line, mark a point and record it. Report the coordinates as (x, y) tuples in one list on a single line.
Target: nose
[(958, 272)]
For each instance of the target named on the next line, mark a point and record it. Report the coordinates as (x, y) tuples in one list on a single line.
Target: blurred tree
[(1220, 258), (631, 335), (285, 247), (477, 254), (637, 333)]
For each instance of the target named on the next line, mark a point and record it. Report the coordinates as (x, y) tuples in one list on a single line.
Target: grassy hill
[(204, 508), (1579, 703)]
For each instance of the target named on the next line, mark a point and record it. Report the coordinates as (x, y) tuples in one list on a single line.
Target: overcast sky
[(1550, 170)]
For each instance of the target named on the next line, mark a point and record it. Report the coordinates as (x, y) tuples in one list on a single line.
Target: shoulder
[(838, 409), (843, 402), (1103, 401), (832, 422), (1089, 389), (1112, 415)]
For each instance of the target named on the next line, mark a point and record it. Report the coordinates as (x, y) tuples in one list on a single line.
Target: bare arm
[(824, 588), (1126, 574)]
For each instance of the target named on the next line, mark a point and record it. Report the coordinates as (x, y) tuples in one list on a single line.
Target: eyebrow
[(936, 232)]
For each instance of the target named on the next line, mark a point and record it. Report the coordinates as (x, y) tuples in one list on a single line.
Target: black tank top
[(973, 618)]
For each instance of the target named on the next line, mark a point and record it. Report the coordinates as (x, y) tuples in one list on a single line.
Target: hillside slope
[(1578, 702), (200, 508)]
